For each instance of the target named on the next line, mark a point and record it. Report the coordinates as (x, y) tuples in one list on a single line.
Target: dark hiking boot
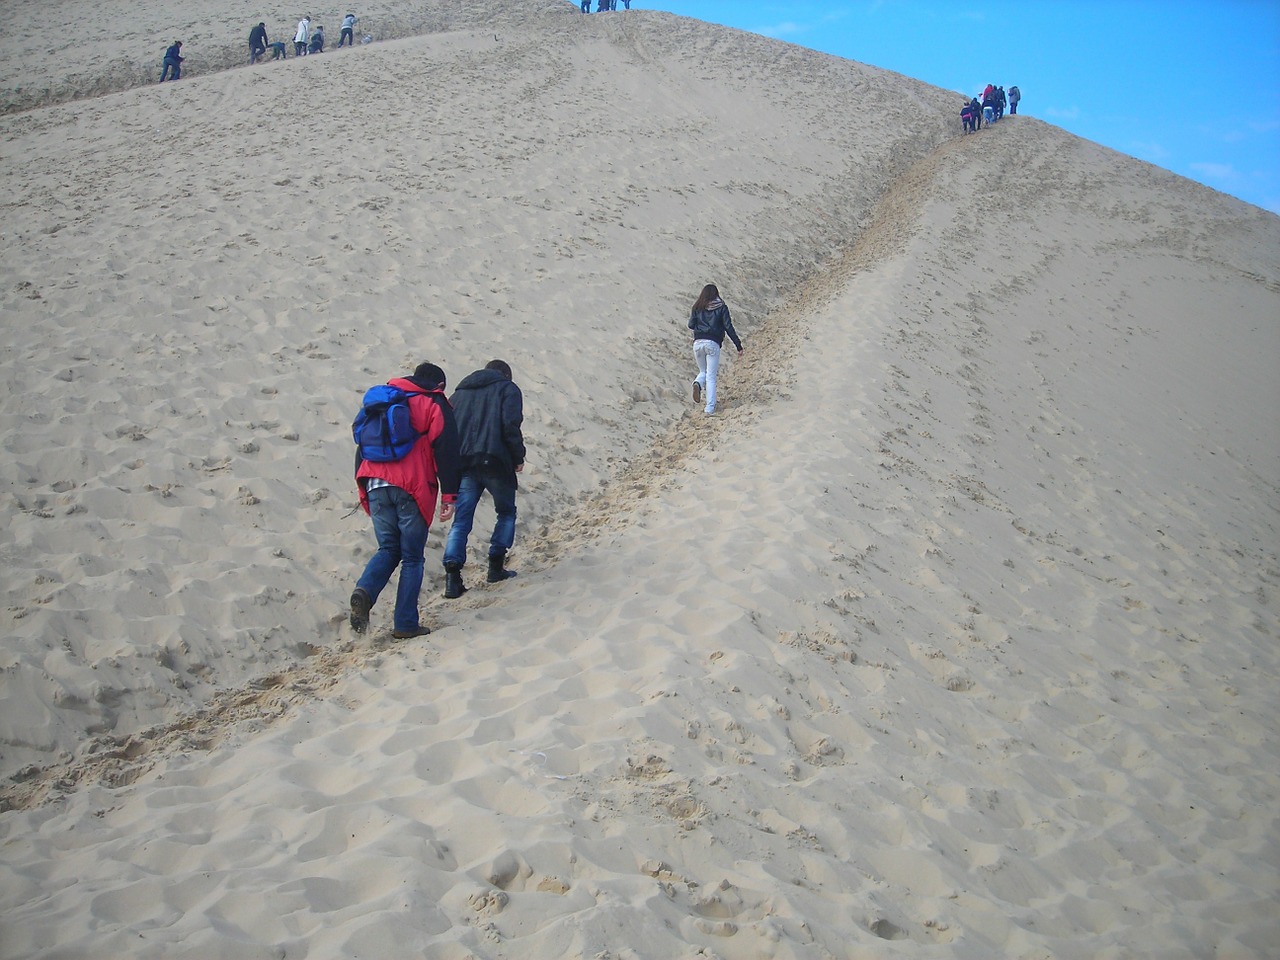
[(496, 572), (453, 585), (697, 392), (418, 631), (361, 604)]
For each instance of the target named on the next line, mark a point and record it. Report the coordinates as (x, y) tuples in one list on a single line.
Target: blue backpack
[(383, 429)]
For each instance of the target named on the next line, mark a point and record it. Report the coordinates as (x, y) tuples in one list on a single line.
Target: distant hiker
[(400, 494), (301, 37), (347, 36), (316, 45), (257, 42), (1001, 101), (710, 321), (976, 108), (489, 409), (278, 50), (1014, 96), (966, 117), (172, 62), (586, 6)]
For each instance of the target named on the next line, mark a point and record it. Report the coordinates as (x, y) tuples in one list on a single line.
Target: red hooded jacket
[(433, 467)]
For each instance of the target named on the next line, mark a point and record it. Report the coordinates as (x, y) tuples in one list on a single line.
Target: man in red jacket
[(400, 496)]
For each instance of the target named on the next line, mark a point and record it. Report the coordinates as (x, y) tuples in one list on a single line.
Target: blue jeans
[(171, 66), (502, 487), (402, 539)]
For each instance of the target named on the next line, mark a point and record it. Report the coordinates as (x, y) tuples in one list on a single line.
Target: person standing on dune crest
[(710, 321)]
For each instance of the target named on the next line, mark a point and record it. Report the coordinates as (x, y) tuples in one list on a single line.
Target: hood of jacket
[(480, 379)]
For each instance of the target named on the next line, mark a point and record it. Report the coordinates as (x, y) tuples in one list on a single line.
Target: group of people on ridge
[(464, 446), (604, 6), (990, 108), (305, 41)]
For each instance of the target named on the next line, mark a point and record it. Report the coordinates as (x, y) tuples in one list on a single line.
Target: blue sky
[(1189, 85)]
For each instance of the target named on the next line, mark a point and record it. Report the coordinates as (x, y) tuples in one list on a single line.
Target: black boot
[(496, 572), (453, 586)]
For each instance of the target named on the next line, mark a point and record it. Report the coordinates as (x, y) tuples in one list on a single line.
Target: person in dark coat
[(489, 409), (710, 322), (172, 62), (257, 42)]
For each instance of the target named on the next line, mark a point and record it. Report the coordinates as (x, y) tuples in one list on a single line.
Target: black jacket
[(489, 410), (713, 323)]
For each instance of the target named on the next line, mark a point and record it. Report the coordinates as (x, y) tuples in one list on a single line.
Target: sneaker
[(410, 634), (697, 392), (361, 604)]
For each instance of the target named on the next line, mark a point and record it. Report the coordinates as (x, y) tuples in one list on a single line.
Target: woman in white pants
[(710, 321)]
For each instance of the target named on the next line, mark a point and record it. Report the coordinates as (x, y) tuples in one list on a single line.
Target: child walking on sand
[(710, 321)]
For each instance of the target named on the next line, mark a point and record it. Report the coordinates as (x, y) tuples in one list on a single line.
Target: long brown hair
[(709, 293)]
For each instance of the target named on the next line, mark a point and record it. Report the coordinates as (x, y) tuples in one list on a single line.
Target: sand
[(952, 634)]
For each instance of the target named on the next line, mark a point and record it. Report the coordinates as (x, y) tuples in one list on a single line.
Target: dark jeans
[(171, 66), (502, 487), (402, 539), (346, 37)]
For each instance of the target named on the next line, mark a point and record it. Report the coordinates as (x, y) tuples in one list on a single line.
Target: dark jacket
[(713, 323), (431, 468), (490, 410), (174, 54), (258, 37)]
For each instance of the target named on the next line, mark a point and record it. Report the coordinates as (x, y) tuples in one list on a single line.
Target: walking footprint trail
[(872, 660)]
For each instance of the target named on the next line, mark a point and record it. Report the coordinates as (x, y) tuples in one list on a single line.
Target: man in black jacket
[(489, 409), (257, 42)]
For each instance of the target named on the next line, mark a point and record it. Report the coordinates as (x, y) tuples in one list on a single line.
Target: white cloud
[(788, 28), (1149, 150), (1223, 172)]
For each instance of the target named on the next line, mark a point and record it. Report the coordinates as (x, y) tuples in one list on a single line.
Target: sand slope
[(952, 635)]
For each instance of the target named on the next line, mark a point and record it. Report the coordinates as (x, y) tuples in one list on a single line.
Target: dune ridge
[(951, 635)]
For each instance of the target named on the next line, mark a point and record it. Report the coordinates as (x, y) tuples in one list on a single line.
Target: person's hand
[(740, 351), (446, 512), (520, 468)]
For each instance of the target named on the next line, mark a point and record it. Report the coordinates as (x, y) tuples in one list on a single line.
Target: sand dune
[(952, 634)]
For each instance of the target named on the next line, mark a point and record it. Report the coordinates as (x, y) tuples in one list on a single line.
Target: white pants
[(707, 353)]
